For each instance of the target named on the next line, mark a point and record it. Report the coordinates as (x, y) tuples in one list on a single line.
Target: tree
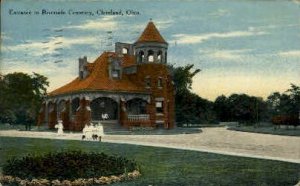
[(21, 97), (240, 107), (287, 103), (190, 108), (294, 93), (221, 108), (183, 77)]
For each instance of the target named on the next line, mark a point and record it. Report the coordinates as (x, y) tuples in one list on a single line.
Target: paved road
[(216, 140)]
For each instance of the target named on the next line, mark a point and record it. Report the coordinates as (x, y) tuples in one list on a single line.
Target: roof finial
[(151, 19)]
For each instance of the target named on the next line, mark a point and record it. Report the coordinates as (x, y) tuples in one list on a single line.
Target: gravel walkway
[(215, 140)]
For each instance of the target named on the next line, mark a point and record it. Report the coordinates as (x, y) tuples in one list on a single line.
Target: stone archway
[(136, 106), (104, 108)]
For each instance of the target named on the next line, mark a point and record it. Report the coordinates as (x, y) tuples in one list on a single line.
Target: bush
[(68, 165)]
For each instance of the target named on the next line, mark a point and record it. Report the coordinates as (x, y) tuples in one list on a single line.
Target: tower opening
[(141, 56), (150, 56)]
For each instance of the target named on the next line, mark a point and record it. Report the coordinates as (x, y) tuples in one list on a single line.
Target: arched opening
[(124, 50), (75, 105), (150, 56), (136, 106), (51, 107), (141, 56), (104, 108), (159, 56), (165, 57), (61, 107)]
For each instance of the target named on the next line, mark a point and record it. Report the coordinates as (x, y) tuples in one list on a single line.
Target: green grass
[(284, 131), (162, 166)]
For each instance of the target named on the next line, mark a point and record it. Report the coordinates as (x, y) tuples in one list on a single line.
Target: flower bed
[(103, 180), (68, 168)]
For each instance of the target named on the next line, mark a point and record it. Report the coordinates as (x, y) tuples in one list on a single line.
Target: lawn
[(162, 166), (284, 131)]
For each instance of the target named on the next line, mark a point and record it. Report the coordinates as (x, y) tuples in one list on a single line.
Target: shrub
[(68, 165)]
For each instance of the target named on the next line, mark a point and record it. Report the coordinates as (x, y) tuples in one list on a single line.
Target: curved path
[(215, 140)]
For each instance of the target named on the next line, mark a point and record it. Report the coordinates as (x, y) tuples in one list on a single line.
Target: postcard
[(150, 92)]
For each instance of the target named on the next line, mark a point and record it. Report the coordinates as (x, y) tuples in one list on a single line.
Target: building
[(129, 87)]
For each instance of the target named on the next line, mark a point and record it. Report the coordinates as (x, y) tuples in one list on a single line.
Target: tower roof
[(151, 34)]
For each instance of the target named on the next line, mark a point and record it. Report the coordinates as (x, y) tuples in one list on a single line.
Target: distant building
[(129, 87)]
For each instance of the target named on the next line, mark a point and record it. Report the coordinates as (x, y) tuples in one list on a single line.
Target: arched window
[(141, 56), (124, 50), (159, 56), (150, 56)]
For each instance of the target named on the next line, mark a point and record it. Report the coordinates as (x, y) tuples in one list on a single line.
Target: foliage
[(243, 108), (189, 107), (21, 96), (67, 165), (183, 77), (287, 103), (192, 109), (240, 107)]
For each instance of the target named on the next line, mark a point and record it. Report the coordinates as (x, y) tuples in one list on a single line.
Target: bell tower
[(151, 46)]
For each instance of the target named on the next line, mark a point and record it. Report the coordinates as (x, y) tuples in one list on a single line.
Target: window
[(159, 56), (150, 56), (141, 56), (124, 50), (159, 107), (160, 82), (116, 73), (148, 82)]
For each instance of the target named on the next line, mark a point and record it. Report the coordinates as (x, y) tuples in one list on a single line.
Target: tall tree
[(190, 108), (183, 77)]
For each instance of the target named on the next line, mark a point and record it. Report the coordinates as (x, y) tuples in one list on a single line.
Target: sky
[(241, 46)]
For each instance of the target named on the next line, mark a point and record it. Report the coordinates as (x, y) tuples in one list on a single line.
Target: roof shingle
[(99, 79), (151, 34)]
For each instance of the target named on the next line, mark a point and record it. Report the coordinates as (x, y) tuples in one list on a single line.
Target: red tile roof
[(98, 79), (128, 60), (151, 34)]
